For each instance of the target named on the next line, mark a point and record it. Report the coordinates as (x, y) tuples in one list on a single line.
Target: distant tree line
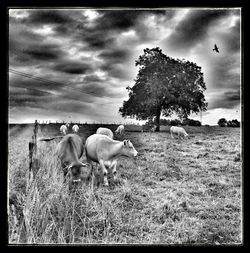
[(175, 122), (228, 123)]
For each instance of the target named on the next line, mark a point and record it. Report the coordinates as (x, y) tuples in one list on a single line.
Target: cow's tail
[(50, 138)]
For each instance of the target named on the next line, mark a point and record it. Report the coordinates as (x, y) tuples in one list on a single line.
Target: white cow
[(63, 129), (101, 149), (75, 128), (180, 131), (105, 131), (120, 129)]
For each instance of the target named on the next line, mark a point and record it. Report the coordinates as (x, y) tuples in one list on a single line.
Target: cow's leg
[(172, 135), (113, 169), (104, 173)]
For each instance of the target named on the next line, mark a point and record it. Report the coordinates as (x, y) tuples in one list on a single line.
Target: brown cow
[(69, 150)]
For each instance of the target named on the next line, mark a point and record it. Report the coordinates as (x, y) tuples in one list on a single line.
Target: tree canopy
[(164, 85), (222, 122)]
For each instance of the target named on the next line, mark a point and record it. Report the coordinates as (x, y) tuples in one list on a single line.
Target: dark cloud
[(226, 100), (114, 56), (115, 70), (17, 36), (96, 39), (28, 48), (226, 73), (106, 28), (232, 95), (27, 82), (29, 98), (92, 78), (119, 19), (114, 61), (47, 17), (44, 52), (71, 67), (194, 27)]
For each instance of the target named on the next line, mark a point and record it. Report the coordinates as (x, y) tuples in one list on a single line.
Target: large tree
[(163, 86)]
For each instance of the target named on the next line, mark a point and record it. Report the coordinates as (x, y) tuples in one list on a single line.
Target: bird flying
[(216, 48)]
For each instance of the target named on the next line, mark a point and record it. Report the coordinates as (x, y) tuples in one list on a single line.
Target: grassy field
[(174, 192)]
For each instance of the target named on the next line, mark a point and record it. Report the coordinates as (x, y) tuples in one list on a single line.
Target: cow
[(69, 150), (63, 129), (105, 131), (75, 128), (180, 131), (120, 129), (105, 151)]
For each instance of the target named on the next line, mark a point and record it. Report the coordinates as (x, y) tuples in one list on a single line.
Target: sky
[(75, 64)]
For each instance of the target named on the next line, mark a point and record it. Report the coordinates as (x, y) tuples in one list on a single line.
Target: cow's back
[(95, 143), (68, 147), (105, 131)]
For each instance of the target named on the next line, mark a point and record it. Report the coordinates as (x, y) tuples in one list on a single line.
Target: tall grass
[(172, 194)]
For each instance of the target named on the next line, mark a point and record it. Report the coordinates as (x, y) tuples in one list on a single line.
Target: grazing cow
[(63, 129), (69, 150), (105, 131), (75, 128), (120, 129), (180, 131), (105, 151)]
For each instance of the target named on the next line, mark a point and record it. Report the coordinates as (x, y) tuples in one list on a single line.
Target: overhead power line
[(52, 82), (46, 81)]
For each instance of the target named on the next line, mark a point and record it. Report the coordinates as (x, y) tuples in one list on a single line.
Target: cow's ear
[(125, 142)]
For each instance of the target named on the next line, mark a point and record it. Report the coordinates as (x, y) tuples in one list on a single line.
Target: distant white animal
[(120, 129), (105, 131), (75, 128), (180, 131), (63, 129), (105, 151)]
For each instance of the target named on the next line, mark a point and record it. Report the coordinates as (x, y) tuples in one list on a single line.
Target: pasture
[(174, 192)]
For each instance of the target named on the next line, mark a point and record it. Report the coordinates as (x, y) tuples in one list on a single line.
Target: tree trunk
[(157, 120)]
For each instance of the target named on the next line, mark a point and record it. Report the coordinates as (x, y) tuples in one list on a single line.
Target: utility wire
[(46, 81), (52, 82)]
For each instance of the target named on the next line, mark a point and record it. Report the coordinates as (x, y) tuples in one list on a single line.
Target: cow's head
[(128, 149), (78, 172)]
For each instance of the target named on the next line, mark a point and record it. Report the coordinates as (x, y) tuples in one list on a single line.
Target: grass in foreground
[(176, 192)]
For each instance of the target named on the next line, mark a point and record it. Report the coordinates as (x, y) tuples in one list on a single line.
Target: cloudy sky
[(74, 64)]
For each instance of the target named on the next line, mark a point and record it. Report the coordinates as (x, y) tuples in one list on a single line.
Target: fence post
[(33, 148)]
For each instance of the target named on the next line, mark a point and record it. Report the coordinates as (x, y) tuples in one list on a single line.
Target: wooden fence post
[(33, 148)]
